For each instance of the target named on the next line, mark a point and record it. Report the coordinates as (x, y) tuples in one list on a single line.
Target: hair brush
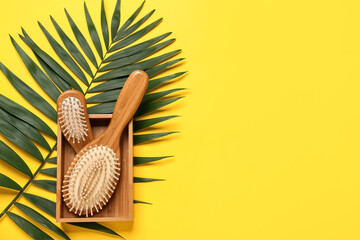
[(94, 173), (73, 119)]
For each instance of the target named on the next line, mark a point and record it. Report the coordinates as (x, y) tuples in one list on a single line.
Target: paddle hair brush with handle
[(73, 119), (93, 174)]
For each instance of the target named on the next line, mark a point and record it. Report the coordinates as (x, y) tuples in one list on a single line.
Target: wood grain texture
[(120, 206)]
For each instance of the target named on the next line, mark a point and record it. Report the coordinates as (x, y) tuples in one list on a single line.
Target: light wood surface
[(126, 105), (120, 205), (73, 93)]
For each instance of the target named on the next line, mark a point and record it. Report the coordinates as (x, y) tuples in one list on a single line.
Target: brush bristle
[(90, 182), (72, 119)]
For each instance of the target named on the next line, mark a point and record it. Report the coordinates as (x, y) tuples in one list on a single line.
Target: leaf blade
[(142, 180), (13, 159), (24, 114), (142, 124), (41, 220), (150, 136), (104, 26), (19, 139), (134, 37), (115, 21), (126, 70), (73, 50), (52, 160), (38, 75), (81, 40), (64, 56), (25, 128), (96, 226), (136, 57), (131, 18), (138, 201), (44, 204), (134, 26), (147, 108), (136, 48), (93, 32), (144, 160), (7, 182), (157, 82), (49, 171), (28, 227), (49, 185), (29, 94), (50, 62)]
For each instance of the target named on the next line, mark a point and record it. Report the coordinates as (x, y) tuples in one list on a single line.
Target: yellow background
[(270, 135)]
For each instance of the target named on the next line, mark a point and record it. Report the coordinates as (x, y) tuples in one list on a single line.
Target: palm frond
[(123, 54), (7, 182)]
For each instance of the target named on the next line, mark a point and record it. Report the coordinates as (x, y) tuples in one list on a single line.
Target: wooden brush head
[(73, 119)]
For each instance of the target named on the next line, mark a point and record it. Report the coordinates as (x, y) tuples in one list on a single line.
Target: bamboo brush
[(93, 174), (73, 119)]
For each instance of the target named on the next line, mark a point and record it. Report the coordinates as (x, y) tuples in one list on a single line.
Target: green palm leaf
[(41, 220), (135, 49), (24, 114), (156, 82), (109, 85), (7, 182), (81, 40), (130, 20), (60, 82), (13, 159), (93, 33), (137, 201), (29, 94), (73, 50), (104, 25), (141, 124), (18, 138), (142, 180), (49, 171), (126, 70), (50, 62), (159, 68), (28, 227), (151, 136), (134, 37), (40, 77), (155, 96), (143, 160), (25, 128), (96, 226), (52, 160), (115, 21), (150, 107), (64, 56), (134, 26), (119, 82), (49, 185), (44, 204), (136, 57)]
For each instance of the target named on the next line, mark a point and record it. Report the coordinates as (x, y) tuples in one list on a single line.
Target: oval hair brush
[(93, 174), (73, 119)]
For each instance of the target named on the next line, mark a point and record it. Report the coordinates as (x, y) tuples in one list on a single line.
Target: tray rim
[(59, 183)]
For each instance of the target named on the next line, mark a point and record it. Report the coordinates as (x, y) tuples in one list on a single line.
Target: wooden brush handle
[(128, 102)]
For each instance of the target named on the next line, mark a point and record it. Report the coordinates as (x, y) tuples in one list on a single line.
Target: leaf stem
[(28, 183)]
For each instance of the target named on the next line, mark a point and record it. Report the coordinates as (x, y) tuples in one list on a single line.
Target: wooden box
[(120, 206)]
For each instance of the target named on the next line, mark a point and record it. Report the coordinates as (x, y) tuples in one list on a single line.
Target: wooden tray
[(120, 205)]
